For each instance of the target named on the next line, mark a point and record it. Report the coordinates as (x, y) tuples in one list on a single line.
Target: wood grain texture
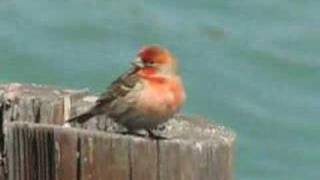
[(143, 158), (50, 152), (104, 156), (66, 153), (36, 147)]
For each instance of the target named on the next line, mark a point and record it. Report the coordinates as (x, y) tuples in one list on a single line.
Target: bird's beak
[(138, 63)]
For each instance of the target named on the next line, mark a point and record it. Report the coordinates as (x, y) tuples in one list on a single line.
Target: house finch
[(150, 93)]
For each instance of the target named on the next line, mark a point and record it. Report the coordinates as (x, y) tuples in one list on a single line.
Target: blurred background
[(249, 65)]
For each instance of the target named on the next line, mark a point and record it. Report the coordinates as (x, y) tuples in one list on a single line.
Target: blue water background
[(251, 65)]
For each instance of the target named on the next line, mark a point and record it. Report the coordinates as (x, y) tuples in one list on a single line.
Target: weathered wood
[(194, 150), (30, 153), (144, 159), (66, 154), (37, 104), (56, 153), (104, 156), (2, 156)]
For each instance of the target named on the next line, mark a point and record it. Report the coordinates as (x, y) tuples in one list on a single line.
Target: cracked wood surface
[(37, 147)]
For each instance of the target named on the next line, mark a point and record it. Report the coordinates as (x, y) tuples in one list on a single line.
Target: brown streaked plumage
[(147, 95)]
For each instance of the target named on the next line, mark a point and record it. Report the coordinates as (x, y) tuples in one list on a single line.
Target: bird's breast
[(162, 96)]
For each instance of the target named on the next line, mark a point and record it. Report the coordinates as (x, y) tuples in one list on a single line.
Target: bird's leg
[(152, 135), (134, 133)]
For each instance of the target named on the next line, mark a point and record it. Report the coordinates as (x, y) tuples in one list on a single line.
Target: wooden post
[(195, 150)]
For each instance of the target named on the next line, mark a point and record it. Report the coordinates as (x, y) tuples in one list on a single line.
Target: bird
[(147, 95)]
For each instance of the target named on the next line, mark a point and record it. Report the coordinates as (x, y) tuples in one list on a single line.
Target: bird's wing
[(118, 89), (115, 100)]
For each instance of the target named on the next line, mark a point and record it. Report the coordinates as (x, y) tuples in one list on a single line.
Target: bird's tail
[(81, 118)]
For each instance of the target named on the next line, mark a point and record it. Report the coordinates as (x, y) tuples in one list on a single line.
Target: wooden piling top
[(32, 118)]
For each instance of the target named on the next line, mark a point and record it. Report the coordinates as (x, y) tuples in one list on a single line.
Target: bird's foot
[(133, 133), (152, 135)]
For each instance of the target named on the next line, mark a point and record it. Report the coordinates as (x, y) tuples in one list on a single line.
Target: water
[(250, 65)]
